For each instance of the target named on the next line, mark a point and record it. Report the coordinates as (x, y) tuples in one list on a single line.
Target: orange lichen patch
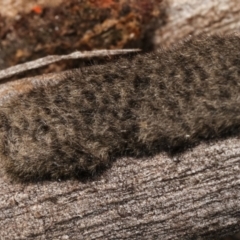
[(11, 8), (37, 9)]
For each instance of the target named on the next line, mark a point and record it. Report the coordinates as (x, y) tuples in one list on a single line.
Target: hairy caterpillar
[(156, 101)]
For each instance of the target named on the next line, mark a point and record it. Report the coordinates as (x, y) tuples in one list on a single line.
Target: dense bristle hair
[(158, 101)]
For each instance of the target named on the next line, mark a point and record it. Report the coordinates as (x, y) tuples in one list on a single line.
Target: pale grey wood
[(195, 194), (194, 17)]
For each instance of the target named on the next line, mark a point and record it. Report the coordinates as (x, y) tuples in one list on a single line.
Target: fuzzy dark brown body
[(153, 102)]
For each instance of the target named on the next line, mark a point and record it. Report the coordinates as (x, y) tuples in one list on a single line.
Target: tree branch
[(195, 195), (11, 71), (185, 17)]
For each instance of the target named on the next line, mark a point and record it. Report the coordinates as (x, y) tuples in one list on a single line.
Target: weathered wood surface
[(194, 195), (193, 17)]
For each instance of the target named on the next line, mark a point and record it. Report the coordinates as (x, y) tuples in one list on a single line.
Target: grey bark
[(196, 194), (193, 17)]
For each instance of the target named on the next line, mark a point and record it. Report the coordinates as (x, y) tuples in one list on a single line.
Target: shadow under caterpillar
[(162, 100)]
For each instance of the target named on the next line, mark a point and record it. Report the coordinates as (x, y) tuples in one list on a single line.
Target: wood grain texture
[(197, 195), (185, 17)]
